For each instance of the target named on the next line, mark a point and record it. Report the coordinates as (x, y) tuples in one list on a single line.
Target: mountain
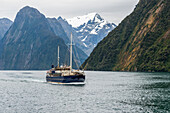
[(79, 55), (5, 23), (68, 30), (88, 30), (58, 29), (30, 43), (141, 42)]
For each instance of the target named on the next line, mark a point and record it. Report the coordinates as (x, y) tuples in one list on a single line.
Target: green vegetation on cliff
[(141, 42)]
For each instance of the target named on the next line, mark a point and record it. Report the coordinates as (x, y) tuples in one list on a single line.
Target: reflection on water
[(104, 92)]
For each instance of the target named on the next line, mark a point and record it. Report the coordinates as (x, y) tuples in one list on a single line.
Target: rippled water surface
[(104, 92)]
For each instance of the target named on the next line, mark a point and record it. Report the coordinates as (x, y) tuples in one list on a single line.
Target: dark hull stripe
[(65, 79)]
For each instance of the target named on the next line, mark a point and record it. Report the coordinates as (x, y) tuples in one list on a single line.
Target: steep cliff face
[(140, 43), (58, 29), (30, 43)]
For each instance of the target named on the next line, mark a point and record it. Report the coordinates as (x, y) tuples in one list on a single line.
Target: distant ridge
[(5, 23)]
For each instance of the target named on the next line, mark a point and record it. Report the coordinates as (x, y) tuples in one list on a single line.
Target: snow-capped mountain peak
[(89, 29), (80, 20)]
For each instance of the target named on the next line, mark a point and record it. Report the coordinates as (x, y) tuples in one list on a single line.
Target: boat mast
[(58, 56), (71, 53)]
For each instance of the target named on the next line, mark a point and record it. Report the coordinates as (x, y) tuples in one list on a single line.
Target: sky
[(111, 10)]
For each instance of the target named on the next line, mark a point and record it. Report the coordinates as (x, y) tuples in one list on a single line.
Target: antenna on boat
[(71, 53), (58, 55)]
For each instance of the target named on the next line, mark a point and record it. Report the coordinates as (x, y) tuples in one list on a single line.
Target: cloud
[(112, 10)]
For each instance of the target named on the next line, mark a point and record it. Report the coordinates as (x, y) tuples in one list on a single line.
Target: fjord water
[(104, 92)]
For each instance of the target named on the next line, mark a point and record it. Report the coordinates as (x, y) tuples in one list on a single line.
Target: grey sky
[(111, 10)]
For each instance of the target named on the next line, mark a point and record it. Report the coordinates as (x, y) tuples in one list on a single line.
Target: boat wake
[(73, 83)]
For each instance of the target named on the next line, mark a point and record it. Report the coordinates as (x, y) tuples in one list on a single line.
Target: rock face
[(140, 43), (58, 29), (5, 24), (31, 43), (88, 30)]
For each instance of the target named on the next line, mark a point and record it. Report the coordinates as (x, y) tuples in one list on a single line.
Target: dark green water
[(104, 92)]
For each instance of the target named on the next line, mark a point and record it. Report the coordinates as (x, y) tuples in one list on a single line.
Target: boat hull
[(65, 79)]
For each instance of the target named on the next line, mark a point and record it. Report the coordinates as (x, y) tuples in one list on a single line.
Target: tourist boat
[(65, 74)]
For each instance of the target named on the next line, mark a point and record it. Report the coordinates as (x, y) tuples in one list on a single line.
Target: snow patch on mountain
[(93, 32), (80, 20), (85, 45), (84, 39)]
